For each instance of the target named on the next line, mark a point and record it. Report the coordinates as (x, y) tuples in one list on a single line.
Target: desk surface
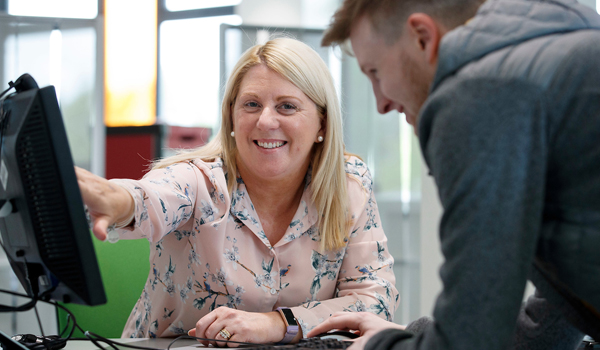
[(190, 344), (158, 343)]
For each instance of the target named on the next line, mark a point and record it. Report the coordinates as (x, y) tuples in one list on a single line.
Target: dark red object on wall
[(131, 149)]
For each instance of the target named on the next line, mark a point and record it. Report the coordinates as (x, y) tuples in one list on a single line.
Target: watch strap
[(291, 330)]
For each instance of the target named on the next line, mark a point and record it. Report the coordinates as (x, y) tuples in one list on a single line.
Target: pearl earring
[(320, 138), (233, 134)]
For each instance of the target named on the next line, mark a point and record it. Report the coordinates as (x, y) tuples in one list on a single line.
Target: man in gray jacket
[(505, 99)]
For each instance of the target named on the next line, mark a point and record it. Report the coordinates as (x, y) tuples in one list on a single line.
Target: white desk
[(158, 343)]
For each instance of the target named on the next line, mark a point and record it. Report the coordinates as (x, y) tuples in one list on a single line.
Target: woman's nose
[(268, 119)]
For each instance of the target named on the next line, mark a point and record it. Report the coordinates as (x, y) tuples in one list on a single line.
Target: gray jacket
[(511, 134)]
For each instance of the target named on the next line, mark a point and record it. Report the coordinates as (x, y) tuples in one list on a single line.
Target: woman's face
[(276, 126)]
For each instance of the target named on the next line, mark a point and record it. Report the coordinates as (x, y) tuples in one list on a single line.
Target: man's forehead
[(362, 28), (364, 40)]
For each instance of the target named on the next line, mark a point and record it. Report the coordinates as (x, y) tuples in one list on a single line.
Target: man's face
[(397, 72)]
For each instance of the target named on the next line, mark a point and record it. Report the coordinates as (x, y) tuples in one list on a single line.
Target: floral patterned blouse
[(208, 249)]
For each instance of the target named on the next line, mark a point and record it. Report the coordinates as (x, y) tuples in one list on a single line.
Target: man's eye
[(373, 74)]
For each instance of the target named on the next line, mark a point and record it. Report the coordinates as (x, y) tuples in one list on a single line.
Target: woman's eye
[(288, 108), (251, 105)]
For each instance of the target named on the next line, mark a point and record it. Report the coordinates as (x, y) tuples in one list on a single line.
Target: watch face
[(289, 317)]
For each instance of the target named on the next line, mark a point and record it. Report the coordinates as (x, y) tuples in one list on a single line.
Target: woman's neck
[(275, 200), (275, 197)]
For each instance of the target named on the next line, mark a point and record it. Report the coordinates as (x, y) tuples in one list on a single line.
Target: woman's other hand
[(366, 323), (252, 327), (107, 203)]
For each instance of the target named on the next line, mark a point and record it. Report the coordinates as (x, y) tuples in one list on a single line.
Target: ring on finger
[(225, 334)]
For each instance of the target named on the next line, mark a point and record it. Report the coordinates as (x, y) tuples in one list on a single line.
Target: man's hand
[(366, 323)]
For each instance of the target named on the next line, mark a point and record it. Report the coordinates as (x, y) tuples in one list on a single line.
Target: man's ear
[(427, 34)]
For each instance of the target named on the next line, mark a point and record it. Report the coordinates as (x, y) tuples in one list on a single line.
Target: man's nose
[(384, 105)]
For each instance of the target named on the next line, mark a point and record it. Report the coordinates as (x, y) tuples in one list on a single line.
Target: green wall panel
[(124, 268)]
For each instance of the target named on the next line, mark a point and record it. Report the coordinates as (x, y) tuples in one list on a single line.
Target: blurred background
[(138, 79)]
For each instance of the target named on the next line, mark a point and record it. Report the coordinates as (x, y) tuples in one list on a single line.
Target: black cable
[(33, 301), (66, 325), (37, 315), (70, 314), (97, 339), (32, 291), (91, 336), (94, 337), (181, 337), (11, 85), (127, 345)]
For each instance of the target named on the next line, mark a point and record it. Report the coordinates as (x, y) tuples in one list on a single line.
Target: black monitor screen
[(43, 225)]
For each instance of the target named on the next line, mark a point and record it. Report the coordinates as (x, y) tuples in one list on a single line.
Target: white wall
[(288, 13), (590, 3), (431, 255)]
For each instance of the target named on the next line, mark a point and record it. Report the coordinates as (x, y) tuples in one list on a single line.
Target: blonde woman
[(271, 219)]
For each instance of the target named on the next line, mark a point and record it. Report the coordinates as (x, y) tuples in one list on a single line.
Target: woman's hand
[(252, 327), (107, 203), (366, 323)]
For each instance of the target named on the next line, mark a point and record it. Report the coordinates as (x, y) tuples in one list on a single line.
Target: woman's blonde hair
[(303, 67)]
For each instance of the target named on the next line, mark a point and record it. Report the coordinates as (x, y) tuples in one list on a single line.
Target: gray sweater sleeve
[(488, 158), (541, 325)]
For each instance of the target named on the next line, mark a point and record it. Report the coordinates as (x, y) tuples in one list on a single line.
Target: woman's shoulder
[(213, 169), (357, 170), (209, 164)]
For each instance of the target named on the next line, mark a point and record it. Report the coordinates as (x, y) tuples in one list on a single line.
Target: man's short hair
[(388, 16)]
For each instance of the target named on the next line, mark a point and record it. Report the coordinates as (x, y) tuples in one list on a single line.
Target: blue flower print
[(266, 281), (185, 289), (167, 313), (232, 255), (177, 329), (193, 257), (208, 212), (322, 268), (357, 306)]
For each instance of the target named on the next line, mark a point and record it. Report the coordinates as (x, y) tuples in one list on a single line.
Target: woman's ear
[(231, 115), (426, 33), (323, 129)]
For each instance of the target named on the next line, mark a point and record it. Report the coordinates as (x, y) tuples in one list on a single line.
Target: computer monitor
[(43, 224)]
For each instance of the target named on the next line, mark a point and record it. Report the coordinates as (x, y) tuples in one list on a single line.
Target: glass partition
[(64, 53), (55, 8)]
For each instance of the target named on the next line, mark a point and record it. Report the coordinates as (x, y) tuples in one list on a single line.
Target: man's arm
[(485, 142)]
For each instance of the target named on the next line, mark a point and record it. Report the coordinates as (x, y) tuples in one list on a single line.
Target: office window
[(590, 3), (189, 63), (390, 149), (45, 52), (183, 5), (54, 8), (62, 53), (130, 62)]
